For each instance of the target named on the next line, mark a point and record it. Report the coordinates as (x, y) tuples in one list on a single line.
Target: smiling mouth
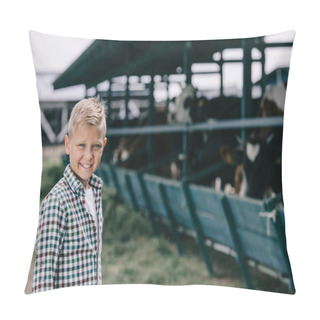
[(86, 166)]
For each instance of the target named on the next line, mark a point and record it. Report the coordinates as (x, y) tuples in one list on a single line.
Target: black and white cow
[(261, 166), (259, 174), (219, 145), (187, 109), (210, 147)]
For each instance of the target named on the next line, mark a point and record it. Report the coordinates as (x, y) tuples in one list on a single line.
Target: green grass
[(52, 172)]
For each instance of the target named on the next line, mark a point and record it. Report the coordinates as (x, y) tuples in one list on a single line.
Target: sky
[(52, 55)]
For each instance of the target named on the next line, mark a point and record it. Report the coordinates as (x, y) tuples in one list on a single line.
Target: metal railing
[(186, 129), (245, 123)]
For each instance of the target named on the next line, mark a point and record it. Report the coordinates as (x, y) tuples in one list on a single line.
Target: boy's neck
[(85, 183)]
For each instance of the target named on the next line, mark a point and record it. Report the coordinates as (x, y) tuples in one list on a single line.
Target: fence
[(252, 231)]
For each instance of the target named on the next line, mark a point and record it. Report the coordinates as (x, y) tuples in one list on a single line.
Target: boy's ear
[(104, 142), (67, 144)]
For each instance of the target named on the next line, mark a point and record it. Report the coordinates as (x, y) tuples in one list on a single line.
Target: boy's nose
[(88, 154)]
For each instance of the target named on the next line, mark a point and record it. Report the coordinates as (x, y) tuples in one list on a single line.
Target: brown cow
[(131, 152)]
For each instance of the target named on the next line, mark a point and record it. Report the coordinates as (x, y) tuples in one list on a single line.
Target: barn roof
[(105, 59)]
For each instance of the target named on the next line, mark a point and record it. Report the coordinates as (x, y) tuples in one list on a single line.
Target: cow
[(259, 174), (218, 146), (211, 147), (187, 109), (183, 106), (131, 152)]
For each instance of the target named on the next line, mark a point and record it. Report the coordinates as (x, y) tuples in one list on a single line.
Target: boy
[(68, 243)]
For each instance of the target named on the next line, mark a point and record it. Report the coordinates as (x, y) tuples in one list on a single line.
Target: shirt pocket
[(74, 240)]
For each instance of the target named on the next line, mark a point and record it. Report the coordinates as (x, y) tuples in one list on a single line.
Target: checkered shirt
[(67, 250)]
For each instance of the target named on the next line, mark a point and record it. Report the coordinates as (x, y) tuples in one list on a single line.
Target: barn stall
[(130, 75)]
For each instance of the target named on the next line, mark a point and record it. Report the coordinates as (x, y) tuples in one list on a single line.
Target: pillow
[(192, 168)]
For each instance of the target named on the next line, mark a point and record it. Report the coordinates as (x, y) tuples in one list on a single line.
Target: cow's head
[(121, 153), (259, 175), (130, 152), (260, 172), (183, 105), (272, 103)]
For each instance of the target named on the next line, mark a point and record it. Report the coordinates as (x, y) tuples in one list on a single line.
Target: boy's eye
[(95, 146)]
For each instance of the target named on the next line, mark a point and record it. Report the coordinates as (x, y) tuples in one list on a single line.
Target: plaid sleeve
[(49, 238)]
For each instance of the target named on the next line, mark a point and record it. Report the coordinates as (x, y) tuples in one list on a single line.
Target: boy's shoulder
[(58, 192), (60, 187), (69, 185)]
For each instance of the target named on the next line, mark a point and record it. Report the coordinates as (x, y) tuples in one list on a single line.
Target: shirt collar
[(76, 185)]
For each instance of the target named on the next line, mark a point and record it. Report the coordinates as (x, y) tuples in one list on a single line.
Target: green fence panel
[(124, 191), (252, 228), (178, 204), (211, 214), (257, 233), (172, 220), (136, 189), (152, 187)]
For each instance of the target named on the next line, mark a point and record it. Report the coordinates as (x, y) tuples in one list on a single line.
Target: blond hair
[(91, 111)]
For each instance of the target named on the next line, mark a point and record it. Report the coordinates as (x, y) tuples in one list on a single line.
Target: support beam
[(126, 102), (198, 229), (45, 125), (185, 154), (263, 62), (172, 220), (64, 125), (187, 61), (221, 78), (246, 101), (150, 213), (151, 115), (237, 245)]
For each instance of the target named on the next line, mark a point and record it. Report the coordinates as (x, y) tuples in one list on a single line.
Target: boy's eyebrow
[(83, 141)]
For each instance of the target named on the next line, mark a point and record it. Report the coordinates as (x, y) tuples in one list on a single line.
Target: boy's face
[(85, 147)]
